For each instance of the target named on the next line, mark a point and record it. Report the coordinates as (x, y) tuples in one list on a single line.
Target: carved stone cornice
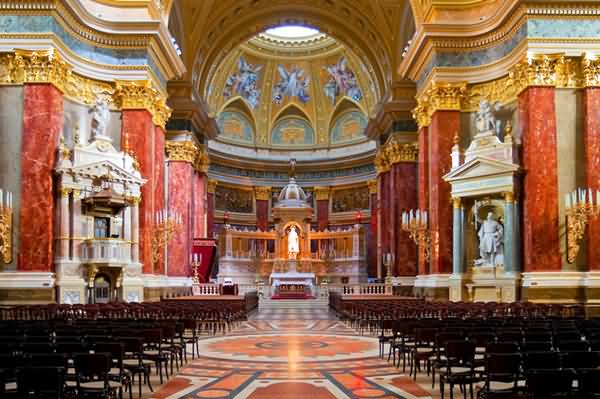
[(211, 185), (373, 186), (321, 193), (262, 193), (181, 151)]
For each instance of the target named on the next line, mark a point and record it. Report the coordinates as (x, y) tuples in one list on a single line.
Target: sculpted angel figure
[(100, 117), (486, 120)]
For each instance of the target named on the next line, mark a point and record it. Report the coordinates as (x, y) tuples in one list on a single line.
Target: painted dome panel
[(292, 131), (245, 82), (236, 126), (348, 127)]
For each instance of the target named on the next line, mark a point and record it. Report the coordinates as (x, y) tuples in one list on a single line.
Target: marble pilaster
[(423, 187), (404, 175), (180, 192), (591, 140)]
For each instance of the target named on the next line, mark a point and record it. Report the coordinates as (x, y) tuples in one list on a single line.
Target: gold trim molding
[(46, 66), (373, 186), (181, 151), (262, 193), (545, 70), (393, 153), (211, 185)]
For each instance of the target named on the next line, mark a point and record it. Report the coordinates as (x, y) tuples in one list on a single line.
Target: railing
[(243, 289), (363, 289), (206, 289), (107, 250)]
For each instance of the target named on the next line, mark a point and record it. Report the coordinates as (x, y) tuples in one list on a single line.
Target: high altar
[(292, 258)]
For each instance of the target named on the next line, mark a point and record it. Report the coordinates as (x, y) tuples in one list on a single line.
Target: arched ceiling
[(370, 28)]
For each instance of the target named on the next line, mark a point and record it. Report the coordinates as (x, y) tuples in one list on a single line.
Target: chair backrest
[(502, 347), (580, 360), (41, 382), (460, 352), (588, 382), (504, 367), (572, 346), (46, 360), (544, 383), (92, 367), (541, 360)]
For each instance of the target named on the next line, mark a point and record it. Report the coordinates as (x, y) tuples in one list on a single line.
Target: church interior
[(288, 199)]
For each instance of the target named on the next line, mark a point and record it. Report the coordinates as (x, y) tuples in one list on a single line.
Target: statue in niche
[(486, 122), (293, 244), (100, 117), (491, 235)]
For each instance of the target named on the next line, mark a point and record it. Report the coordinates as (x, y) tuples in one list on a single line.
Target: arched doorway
[(102, 288)]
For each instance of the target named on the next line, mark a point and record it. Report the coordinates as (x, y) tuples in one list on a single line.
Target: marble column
[(199, 196), (43, 116), (591, 140), (135, 230), (510, 234), (180, 193), (64, 235), (541, 249), (373, 239), (159, 186), (458, 264), (322, 198), (262, 196), (423, 187), (444, 125), (210, 208), (138, 129), (76, 233), (404, 196)]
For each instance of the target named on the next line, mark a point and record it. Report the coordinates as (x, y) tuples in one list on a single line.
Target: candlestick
[(415, 223), (580, 207), (6, 224)]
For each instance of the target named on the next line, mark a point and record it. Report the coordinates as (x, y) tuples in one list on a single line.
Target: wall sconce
[(580, 206), (166, 223), (415, 223), (196, 261), (6, 209)]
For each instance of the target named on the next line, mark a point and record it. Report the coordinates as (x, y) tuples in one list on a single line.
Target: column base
[(18, 288), (434, 287), (156, 286), (457, 288), (554, 287)]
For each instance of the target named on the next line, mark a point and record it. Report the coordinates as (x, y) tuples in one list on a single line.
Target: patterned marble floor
[(282, 355)]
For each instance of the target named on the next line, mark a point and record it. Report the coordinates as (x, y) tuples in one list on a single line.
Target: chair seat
[(153, 352), (135, 363), (116, 372), (479, 356), (497, 386), (99, 385), (10, 386), (460, 370), (424, 350)]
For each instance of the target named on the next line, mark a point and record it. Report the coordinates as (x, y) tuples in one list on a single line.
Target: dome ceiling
[(301, 92)]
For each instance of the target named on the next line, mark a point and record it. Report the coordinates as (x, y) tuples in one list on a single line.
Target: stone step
[(320, 303)]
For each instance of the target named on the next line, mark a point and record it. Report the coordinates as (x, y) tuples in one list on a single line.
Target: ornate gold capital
[(321, 193), (439, 97), (456, 202), (65, 191), (509, 197), (141, 95), (201, 162), (541, 70), (211, 185), (590, 66), (181, 151), (421, 114), (401, 152), (262, 193), (373, 186), (381, 161)]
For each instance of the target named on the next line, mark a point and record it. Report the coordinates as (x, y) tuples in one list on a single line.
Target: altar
[(292, 285)]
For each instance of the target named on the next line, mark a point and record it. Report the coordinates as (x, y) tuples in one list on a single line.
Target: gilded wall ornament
[(182, 151), (262, 193), (322, 193), (591, 70), (373, 186)]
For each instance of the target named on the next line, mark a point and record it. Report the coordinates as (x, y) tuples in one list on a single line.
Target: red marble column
[(541, 249), (405, 198), (210, 212), (262, 214), (423, 186), (374, 238), (444, 125), (137, 125), (43, 110), (591, 144), (385, 213), (323, 214), (159, 182), (199, 212), (180, 192)]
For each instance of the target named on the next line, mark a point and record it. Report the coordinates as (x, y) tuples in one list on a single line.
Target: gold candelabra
[(580, 205), (6, 209), (415, 223), (166, 224), (196, 262), (387, 262), (327, 256)]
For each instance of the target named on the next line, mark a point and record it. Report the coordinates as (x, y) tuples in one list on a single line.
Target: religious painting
[(292, 131), (341, 81), (233, 200), (348, 127), (292, 83), (235, 126), (244, 82), (351, 199)]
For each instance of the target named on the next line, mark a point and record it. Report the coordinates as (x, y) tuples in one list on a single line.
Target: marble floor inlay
[(290, 358)]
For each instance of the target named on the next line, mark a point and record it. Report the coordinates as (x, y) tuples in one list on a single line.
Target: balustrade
[(107, 250), (206, 289)]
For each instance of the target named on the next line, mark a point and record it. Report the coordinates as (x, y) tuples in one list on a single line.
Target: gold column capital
[(509, 197), (401, 152), (373, 186), (65, 191), (439, 96), (590, 65), (381, 161), (141, 95), (201, 162), (321, 193), (456, 202), (262, 193), (181, 151), (211, 185)]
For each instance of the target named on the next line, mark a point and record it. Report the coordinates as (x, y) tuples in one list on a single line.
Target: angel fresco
[(291, 84), (244, 83), (342, 81)]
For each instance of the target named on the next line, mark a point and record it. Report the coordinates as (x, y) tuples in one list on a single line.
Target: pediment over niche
[(103, 168), (480, 168)]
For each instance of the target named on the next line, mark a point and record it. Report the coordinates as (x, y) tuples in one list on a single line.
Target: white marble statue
[(490, 242), (100, 117), (293, 244), (486, 121)]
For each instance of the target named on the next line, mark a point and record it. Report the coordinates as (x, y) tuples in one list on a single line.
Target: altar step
[(317, 303)]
